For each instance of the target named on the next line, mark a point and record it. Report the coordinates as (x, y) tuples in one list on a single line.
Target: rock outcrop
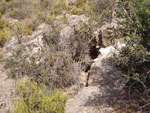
[(97, 75), (101, 84)]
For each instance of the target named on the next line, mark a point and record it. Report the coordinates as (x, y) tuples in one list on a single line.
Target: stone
[(84, 78), (71, 2), (108, 51), (32, 45)]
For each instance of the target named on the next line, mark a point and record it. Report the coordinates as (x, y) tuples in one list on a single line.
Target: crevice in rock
[(93, 52), (88, 68), (95, 44), (88, 75)]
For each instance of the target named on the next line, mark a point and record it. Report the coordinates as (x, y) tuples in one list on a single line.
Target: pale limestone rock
[(71, 2), (32, 45), (12, 21), (119, 44), (108, 51), (83, 78)]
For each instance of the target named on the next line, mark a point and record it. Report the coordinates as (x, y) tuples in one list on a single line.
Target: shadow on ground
[(120, 99)]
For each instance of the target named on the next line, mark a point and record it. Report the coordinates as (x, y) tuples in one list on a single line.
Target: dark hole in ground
[(93, 52)]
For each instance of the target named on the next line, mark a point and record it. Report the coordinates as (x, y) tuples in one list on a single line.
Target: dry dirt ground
[(103, 99), (105, 95), (7, 92)]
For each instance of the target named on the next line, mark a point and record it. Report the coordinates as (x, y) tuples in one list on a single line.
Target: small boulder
[(108, 51)]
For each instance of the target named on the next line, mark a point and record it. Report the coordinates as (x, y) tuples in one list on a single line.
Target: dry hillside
[(74, 56)]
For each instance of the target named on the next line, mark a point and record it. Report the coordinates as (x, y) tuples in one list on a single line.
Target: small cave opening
[(93, 52)]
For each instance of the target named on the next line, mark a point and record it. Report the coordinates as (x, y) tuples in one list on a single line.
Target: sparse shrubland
[(57, 68), (60, 64)]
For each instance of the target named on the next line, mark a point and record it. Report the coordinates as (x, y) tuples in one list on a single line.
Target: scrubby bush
[(5, 31), (3, 37), (2, 7), (80, 3), (3, 23), (55, 70), (46, 3), (18, 13), (33, 100), (77, 11), (100, 11), (0, 15), (84, 7), (134, 60), (58, 7), (27, 26)]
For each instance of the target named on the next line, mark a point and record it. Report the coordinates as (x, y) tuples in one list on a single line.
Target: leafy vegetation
[(77, 11), (5, 30), (33, 99), (56, 70), (134, 59)]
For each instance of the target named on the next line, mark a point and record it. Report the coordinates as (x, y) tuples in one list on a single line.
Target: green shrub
[(33, 100), (3, 23), (134, 60), (17, 13), (0, 15), (77, 11), (46, 3), (27, 29), (80, 3), (5, 31), (2, 7), (58, 7), (99, 11), (83, 34), (27, 26), (3, 37), (92, 5)]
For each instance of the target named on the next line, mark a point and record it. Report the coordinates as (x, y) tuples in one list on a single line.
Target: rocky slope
[(97, 87), (102, 89)]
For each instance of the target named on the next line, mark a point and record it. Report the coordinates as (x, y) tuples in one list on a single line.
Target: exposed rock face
[(102, 86), (81, 102), (108, 51), (107, 31), (100, 68), (71, 2), (67, 31), (101, 79), (83, 78), (95, 44), (33, 44)]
